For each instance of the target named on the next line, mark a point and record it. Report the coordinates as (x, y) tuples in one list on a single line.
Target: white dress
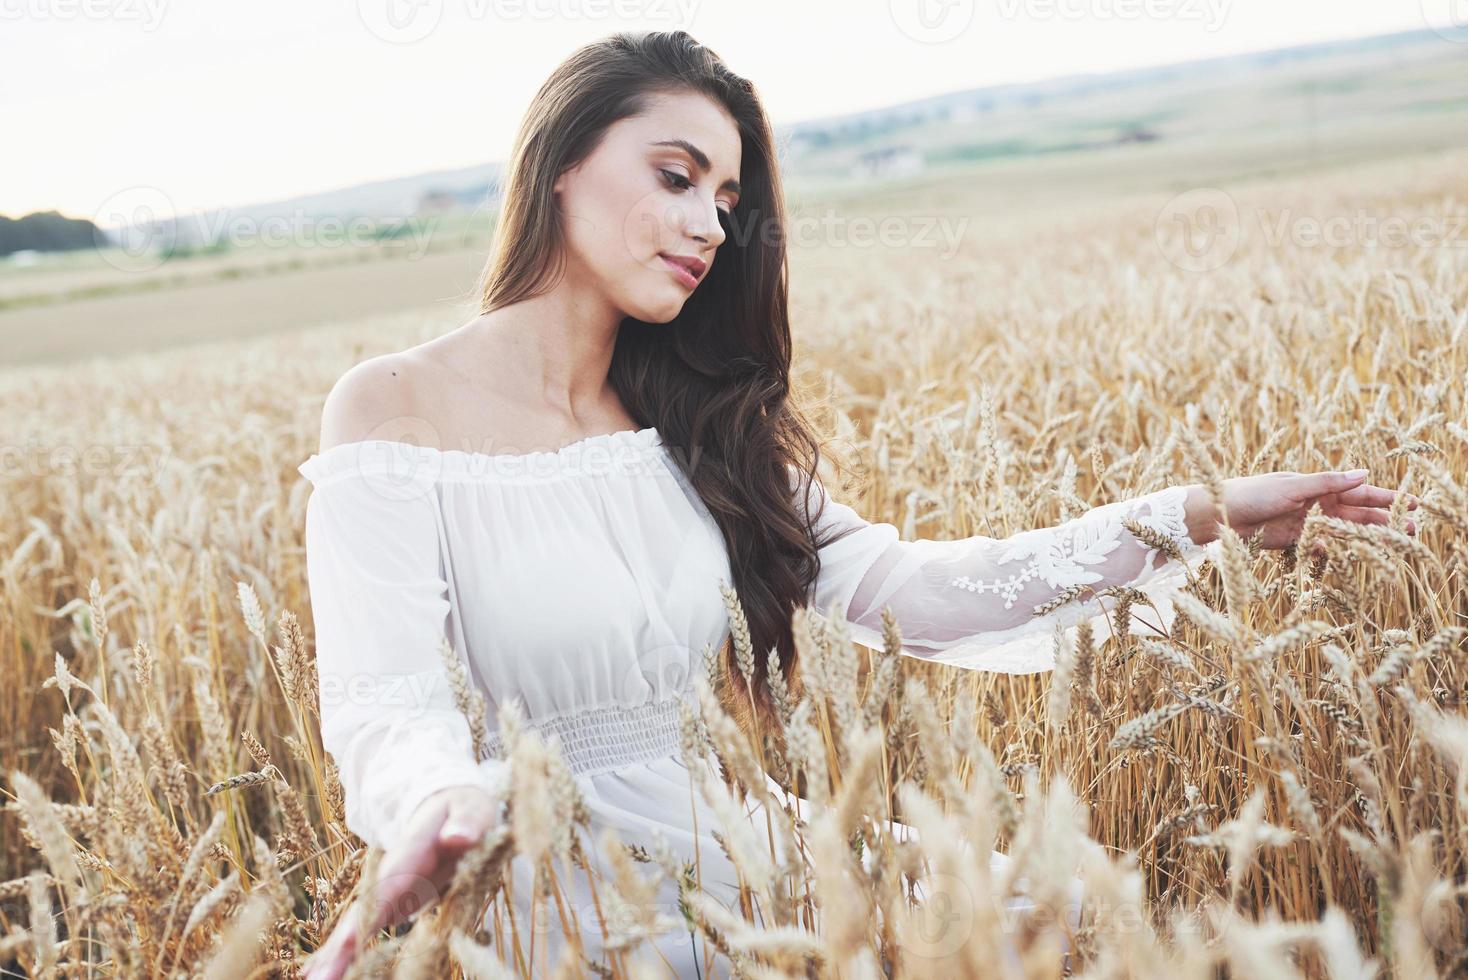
[(585, 582)]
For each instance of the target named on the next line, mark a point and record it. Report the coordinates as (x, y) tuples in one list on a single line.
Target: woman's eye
[(683, 183)]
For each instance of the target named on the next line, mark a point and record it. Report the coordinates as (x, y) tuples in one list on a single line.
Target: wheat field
[(1275, 786)]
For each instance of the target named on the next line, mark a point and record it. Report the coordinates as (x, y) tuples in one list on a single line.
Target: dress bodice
[(582, 578)]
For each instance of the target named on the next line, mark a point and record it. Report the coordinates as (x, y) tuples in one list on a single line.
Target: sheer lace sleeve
[(380, 605), (975, 602)]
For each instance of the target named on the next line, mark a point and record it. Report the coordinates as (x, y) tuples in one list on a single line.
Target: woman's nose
[(702, 222)]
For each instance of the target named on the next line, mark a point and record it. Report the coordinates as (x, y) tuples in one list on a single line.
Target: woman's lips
[(681, 271)]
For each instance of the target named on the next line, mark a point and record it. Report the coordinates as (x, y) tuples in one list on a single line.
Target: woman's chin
[(662, 311)]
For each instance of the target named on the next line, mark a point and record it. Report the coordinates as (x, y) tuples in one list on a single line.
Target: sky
[(228, 102)]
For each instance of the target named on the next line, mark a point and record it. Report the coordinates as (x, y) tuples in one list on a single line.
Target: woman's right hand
[(412, 875)]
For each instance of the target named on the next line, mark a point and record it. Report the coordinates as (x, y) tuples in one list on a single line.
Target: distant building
[(889, 161), (442, 200), (436, 202), (1137, 134)]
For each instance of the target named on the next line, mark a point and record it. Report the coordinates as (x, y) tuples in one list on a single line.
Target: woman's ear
[(560, 185)]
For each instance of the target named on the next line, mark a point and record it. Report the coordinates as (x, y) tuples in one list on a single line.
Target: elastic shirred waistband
[(610, 737)]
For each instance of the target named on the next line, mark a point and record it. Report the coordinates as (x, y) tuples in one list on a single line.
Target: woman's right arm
[(380, 605), (380, 608)]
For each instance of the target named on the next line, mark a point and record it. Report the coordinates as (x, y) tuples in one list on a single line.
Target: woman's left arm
[(993, 603)]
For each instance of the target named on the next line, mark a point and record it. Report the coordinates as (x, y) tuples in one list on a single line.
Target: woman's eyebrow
[(700, 158)]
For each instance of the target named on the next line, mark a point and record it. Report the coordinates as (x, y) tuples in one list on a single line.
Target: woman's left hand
[(1278, 502)]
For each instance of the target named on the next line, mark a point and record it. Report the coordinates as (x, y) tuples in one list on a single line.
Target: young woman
[(558, 487)]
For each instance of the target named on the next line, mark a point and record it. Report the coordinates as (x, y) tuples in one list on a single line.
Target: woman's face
[(649, 195)]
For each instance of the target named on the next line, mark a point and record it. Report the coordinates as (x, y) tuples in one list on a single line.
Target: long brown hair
[(714, 381)]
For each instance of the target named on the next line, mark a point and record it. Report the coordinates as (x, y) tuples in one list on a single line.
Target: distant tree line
[(47, 231)]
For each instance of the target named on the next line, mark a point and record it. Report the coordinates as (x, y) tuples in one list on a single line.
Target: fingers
[(1308, 486), (1356, 500), (1371, 515), (467, 822), (403, 884), (333, 957), (411, 876), (1367, 495), (1362, 515)]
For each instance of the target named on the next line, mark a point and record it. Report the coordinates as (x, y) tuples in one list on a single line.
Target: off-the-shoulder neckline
[(383, 454)]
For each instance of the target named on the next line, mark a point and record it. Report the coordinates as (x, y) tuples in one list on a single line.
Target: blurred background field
[(997, 158)]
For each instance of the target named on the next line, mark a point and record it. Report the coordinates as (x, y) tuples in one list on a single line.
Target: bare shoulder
[(373, 396)]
